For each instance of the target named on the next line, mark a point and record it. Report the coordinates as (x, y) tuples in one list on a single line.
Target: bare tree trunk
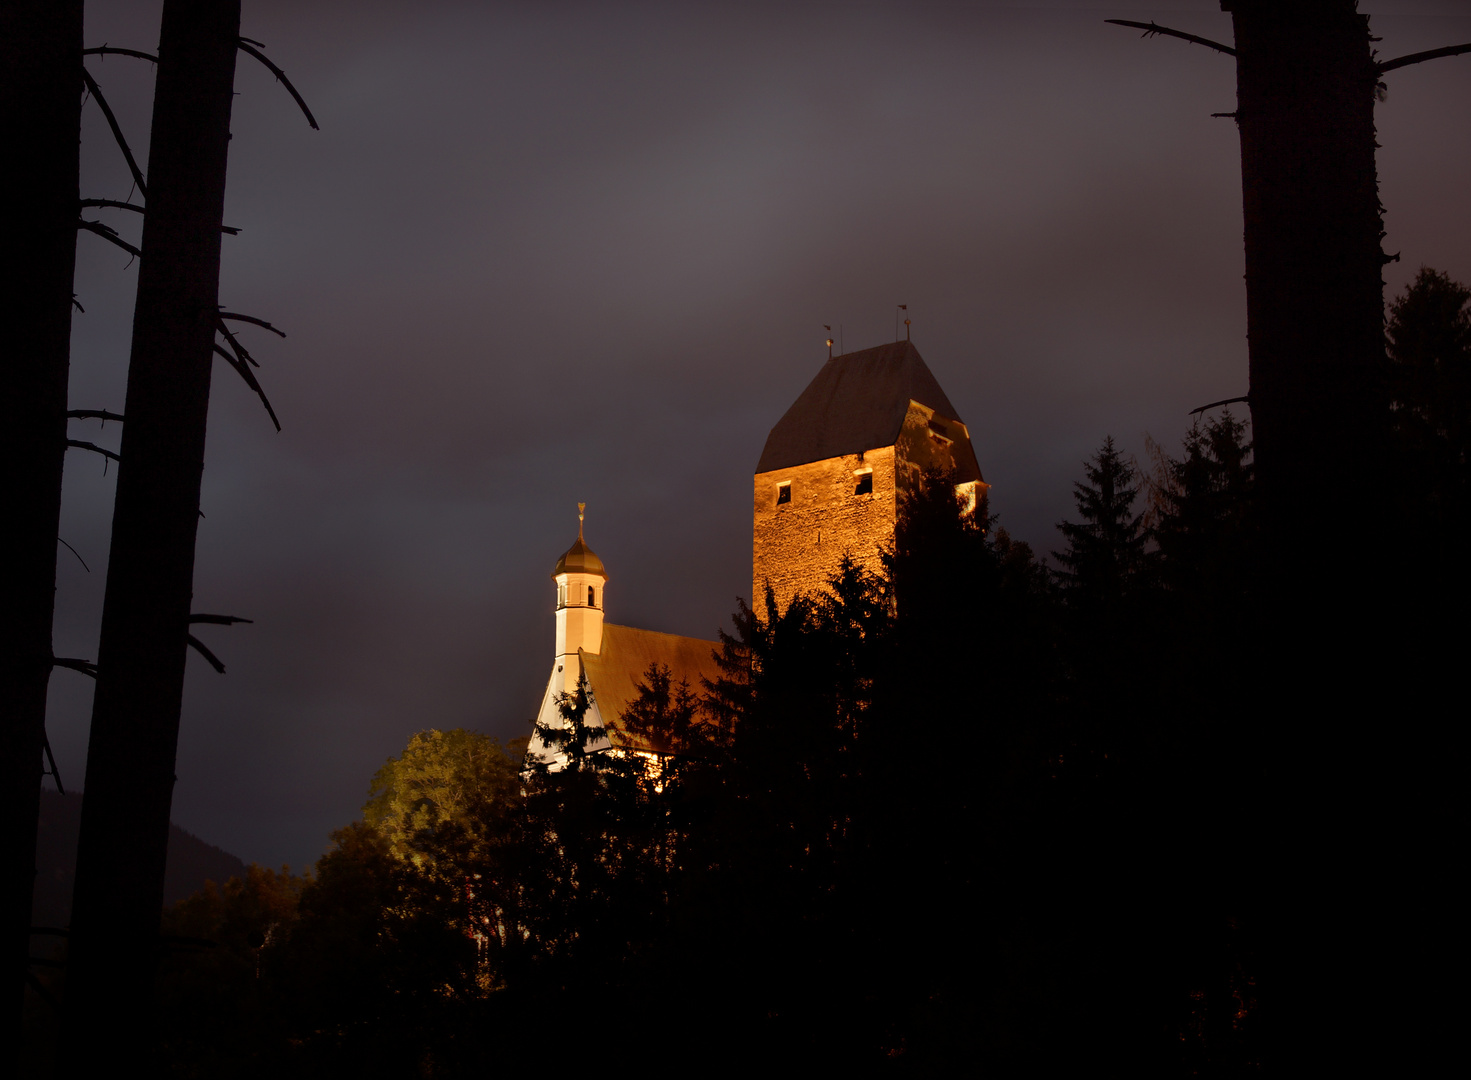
[(145, 617), (1306, 82), (1306, 90), (40, 128)]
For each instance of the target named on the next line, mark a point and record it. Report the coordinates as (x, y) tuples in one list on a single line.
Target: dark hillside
[(191, 862)]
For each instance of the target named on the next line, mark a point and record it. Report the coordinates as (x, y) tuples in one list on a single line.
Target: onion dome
[(579, 558)]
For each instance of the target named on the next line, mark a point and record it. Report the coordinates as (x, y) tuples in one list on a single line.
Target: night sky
[(548, 253)]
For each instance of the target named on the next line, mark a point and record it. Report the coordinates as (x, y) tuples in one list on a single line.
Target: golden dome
[(579, 558)]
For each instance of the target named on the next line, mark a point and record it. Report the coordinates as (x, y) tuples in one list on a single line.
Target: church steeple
[(581, 581)]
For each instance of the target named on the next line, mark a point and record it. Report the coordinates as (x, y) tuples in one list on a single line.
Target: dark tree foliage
[(1429, 338), (666, 716), (1202, 507), (1417, 810), (900, 848), (1105, 552), (214, 986)]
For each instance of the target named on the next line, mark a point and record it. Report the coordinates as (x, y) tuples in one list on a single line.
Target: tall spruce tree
[(1105, 554), (1204, 512), (1429, 338)]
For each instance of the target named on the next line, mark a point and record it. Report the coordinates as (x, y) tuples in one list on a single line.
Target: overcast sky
[(548, 253)]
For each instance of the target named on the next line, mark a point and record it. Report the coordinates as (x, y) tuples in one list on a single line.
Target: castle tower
[(836, 465), (581, 581)]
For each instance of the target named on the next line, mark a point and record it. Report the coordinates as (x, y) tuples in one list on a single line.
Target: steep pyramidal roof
[(857, 402)]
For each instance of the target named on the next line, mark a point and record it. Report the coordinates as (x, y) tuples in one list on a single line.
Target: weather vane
[(898, 308)]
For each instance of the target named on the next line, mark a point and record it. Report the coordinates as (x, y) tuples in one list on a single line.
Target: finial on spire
[(829, 330), (581, 510)]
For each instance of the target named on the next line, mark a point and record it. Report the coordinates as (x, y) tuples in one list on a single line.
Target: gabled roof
[(857, 402), (615, 673)]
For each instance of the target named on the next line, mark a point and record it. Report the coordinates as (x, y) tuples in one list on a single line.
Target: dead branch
[(241, 352), (246, 45), (1151, 28), (114, 203), (1421, 57), (1223, 401), (93, 414), (109, 234), (73, 550), (203, 650), (78, 304), (250, 381), (55, 772), (253, 320), (80, 445), (108, 50), (218, 620), (86, 667), (117, 132)]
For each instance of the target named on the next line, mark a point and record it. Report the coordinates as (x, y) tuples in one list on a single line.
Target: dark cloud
[(548, 253)]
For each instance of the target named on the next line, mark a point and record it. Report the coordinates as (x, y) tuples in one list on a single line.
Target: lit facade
[(836, 466), (830, 483)]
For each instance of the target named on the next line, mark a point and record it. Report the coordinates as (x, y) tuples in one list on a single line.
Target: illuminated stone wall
[(799, 545)]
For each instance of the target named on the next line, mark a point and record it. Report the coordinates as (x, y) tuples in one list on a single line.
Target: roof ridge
[(662, 633)]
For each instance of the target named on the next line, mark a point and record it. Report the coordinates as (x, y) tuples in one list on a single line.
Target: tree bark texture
[(1306, 82), (40, 126), (145, 619)]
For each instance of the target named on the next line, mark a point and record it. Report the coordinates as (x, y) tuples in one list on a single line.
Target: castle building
[(836, 466), (614, 659), (829, 483)]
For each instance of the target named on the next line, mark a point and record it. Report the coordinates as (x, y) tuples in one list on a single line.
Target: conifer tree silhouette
[(1105, 552), (1429, 337)]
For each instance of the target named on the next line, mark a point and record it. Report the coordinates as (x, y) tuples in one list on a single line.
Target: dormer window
[(865, 482), (783, 492)]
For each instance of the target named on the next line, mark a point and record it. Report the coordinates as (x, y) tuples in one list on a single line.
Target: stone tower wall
[(799, 545)]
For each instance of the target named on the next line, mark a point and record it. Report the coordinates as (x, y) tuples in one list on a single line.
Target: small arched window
[(591, 598)]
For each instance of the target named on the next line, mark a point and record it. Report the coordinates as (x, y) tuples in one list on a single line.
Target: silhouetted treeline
[(976, 813)]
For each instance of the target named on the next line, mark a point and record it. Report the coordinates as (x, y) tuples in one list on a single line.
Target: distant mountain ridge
[(191, 861)]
